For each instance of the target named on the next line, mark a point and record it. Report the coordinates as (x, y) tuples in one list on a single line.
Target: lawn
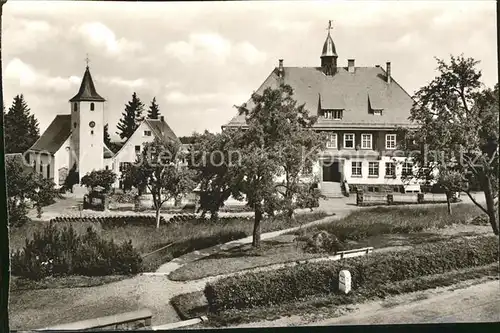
[(278, 250), (365, 223), (186, 236), (378, 228)]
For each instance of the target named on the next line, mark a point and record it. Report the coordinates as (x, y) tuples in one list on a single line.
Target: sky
[(201, 59)]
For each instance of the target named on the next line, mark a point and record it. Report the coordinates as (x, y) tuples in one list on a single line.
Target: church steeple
[(329, 54), (87, 92)]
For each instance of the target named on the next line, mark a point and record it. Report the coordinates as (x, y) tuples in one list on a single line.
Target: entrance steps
[(331, 190)]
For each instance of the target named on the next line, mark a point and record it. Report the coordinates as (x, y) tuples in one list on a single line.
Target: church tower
[(87, 128), (329, 55)]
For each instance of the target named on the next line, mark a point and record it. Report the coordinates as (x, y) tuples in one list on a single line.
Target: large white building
[(360, 109), (76, 140)]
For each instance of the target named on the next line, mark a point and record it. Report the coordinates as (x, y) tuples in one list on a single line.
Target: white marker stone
[(345, 281)]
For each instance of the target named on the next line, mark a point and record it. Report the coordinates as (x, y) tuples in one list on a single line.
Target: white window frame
[(147, 131), (360, 167), (331, 141), (137, 151), (407, 169), (393, 168), (333, 114), (353, 140), (362, 141), (390, 138), (371, 163)]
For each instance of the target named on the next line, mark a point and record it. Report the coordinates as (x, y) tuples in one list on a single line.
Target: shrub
[(60, 252), (293, 283)]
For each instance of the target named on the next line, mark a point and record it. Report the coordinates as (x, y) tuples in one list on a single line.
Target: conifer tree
[(154, 110), (131, 117), (107, 139), (21, 127)]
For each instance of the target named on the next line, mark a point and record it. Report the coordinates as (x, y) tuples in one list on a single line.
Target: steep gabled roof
[(87, 91), (352, 91), (161, 129), (55, 135)]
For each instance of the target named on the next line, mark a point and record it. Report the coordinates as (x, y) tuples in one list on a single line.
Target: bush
[(293, 283), (56, 252)]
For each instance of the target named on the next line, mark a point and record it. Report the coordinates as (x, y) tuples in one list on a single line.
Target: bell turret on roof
[(329, 54), (329, 46), (87, 90)]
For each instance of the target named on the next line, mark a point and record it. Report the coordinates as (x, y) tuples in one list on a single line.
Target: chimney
[(281, 72), (388, 71), (350, 65), (162, 118)]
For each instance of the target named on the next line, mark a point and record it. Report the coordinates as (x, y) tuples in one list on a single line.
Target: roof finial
[(329, 26), (87, 60)]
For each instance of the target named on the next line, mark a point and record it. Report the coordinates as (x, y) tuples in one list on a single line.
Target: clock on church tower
[(87, 136)]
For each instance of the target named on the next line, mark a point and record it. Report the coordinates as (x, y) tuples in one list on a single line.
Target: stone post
[(359, 197), (345, 281), (390, 199)]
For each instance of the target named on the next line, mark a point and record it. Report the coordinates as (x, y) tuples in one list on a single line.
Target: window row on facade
[(374, 169), (349, 141)]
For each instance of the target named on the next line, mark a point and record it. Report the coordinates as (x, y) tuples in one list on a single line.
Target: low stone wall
[(136, 320)]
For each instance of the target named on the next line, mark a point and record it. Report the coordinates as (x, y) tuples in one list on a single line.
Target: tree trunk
[(256, 227), (490, 203), (4, 224), (448, 202), (158, 216)]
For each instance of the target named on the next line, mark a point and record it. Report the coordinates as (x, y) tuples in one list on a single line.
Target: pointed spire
[(329, 47), (87, 90)]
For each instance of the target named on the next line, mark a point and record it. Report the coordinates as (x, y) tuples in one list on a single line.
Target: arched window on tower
[(75, 107), (91, 106), (74, 124)]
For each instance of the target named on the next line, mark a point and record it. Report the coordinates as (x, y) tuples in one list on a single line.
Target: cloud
[(118, 81), (290, 26), (201, 46), (27, 35), (99, 35), (26, 76), (180, 98)]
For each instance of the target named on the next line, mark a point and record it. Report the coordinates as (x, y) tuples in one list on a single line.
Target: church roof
[(87, 91), (161, 129), (55, 135), (355, 93)]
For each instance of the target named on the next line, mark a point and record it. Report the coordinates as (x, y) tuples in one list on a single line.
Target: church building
[(76, 140), (360, 110)]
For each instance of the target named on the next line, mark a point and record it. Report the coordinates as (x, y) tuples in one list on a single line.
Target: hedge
[(289, 284), (113, 221)]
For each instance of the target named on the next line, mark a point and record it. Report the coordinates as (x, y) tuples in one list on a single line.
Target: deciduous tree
[(160, 170), (458, 125), (102, 178)]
